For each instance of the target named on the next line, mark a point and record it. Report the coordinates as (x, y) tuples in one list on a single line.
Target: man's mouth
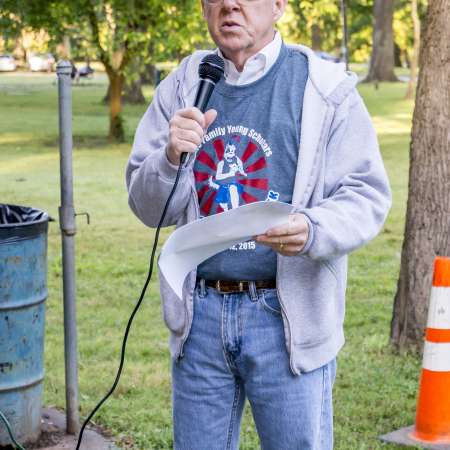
[(230, 25)]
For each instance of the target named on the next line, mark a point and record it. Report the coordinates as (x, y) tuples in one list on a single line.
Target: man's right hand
[(186, 130)]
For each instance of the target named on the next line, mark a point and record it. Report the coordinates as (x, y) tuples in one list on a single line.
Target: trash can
[(23, 291)]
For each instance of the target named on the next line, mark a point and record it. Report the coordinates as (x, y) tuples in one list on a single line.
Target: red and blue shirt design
[(230, 171)]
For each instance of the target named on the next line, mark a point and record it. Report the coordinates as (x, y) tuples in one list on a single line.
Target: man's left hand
[(287, 239)]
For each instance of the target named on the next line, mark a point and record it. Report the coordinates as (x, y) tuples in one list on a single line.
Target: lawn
[(375, 389)]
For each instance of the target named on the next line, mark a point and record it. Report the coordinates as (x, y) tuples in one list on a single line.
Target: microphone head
[(212, 67)]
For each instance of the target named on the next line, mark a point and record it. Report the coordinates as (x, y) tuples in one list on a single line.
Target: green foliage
[(403, 26), (360, 29), (325, 15), (10, 23), (153, 31), (304, 15), (321, 13)]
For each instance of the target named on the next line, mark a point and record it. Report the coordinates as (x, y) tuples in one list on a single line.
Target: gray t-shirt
[(250, 154)]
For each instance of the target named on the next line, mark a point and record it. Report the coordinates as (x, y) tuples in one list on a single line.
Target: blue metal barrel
[(23, 291)]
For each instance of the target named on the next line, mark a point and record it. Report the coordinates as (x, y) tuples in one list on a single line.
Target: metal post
[(345, 32), (68, 231)]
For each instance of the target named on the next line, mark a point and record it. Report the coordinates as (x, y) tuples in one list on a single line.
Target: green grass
[(375, 389)]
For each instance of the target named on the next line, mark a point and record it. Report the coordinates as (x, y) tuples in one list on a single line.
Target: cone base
[(421, 437), (404, 436)]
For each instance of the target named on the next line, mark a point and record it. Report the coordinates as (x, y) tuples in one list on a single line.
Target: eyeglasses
[(241, 2)]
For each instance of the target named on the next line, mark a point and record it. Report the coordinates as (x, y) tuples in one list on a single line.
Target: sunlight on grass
[(14, 138), (391, 125), (30, 162)]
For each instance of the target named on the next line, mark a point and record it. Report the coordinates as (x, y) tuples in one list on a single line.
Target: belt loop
[(202, 292), (252, 291)]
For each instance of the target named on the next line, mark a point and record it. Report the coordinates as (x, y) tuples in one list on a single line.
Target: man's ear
[(278, 9)]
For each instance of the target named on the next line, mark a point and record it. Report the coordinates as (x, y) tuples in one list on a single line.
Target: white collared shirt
[(256, 66)]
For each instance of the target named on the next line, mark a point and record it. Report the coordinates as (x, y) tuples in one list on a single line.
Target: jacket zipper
[(188, 317), (283, 309), (291, 363), (180, 351)]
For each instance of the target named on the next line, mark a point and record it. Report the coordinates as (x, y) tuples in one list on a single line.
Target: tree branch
[(93, 21)]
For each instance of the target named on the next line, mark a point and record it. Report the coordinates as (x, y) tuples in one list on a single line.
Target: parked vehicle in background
[(41, 62), (86, 71), (7, 63)]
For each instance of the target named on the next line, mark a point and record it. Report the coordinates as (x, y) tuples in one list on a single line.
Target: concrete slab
[(402, 437), (54, 436)]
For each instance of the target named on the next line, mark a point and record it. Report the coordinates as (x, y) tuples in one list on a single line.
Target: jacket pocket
[(173, 308), (174, 313), (314, 302)]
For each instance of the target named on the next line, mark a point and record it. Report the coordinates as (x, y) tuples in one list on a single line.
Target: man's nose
[(231, 4)]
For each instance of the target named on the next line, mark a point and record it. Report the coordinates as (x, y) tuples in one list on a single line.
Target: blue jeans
[(236, 349)]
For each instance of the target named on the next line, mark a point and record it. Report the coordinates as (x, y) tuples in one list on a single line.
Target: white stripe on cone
[(436, 356), (439, 311)]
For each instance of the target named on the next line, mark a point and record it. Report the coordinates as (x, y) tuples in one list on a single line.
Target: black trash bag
[(15, 215)]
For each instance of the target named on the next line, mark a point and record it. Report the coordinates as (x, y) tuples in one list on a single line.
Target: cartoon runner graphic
[(227, 169), (230, 172)]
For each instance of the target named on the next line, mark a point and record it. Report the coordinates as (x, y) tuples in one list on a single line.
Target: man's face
[(230, 152), (242, 26)]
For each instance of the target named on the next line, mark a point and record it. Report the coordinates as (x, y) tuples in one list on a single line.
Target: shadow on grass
[(82, 142)]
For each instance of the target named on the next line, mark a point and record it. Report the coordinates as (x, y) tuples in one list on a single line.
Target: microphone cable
[(210, 71), (135, 310), (10, 432)]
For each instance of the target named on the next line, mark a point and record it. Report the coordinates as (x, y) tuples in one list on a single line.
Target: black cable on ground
[(135, 310), (11, 435)]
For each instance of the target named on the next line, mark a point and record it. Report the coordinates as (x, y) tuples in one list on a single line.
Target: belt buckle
[(218, 289), (229, 291)]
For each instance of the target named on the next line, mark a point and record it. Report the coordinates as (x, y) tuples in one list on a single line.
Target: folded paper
[(191, 244)]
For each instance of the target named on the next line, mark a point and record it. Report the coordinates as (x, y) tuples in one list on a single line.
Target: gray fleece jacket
[(341, 187)]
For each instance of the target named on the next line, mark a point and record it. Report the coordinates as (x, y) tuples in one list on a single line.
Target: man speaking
[(262, 320)]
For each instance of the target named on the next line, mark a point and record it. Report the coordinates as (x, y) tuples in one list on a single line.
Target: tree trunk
[(428, 210), (67, 47), (148, 76), (116, 130), (382, 59), (106, 99), (397, 56), (133, 94), (316, 37), (416, 49)]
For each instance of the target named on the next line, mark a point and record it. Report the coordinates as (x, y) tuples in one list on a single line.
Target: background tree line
[(130, 36)]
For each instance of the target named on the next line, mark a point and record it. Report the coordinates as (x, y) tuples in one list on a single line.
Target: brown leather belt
[(229, 286)]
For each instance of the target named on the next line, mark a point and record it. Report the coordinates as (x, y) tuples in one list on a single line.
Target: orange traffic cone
[(433, 405), (432, 428)]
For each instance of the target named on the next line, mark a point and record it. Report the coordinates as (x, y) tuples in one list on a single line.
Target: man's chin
[(235, 41)]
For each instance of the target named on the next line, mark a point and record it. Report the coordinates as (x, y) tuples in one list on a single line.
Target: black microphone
[(210, 71)]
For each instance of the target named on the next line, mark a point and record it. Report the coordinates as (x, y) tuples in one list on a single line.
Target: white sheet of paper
[(191, 244)]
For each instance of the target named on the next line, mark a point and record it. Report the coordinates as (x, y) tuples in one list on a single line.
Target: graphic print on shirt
[(231, 169)]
